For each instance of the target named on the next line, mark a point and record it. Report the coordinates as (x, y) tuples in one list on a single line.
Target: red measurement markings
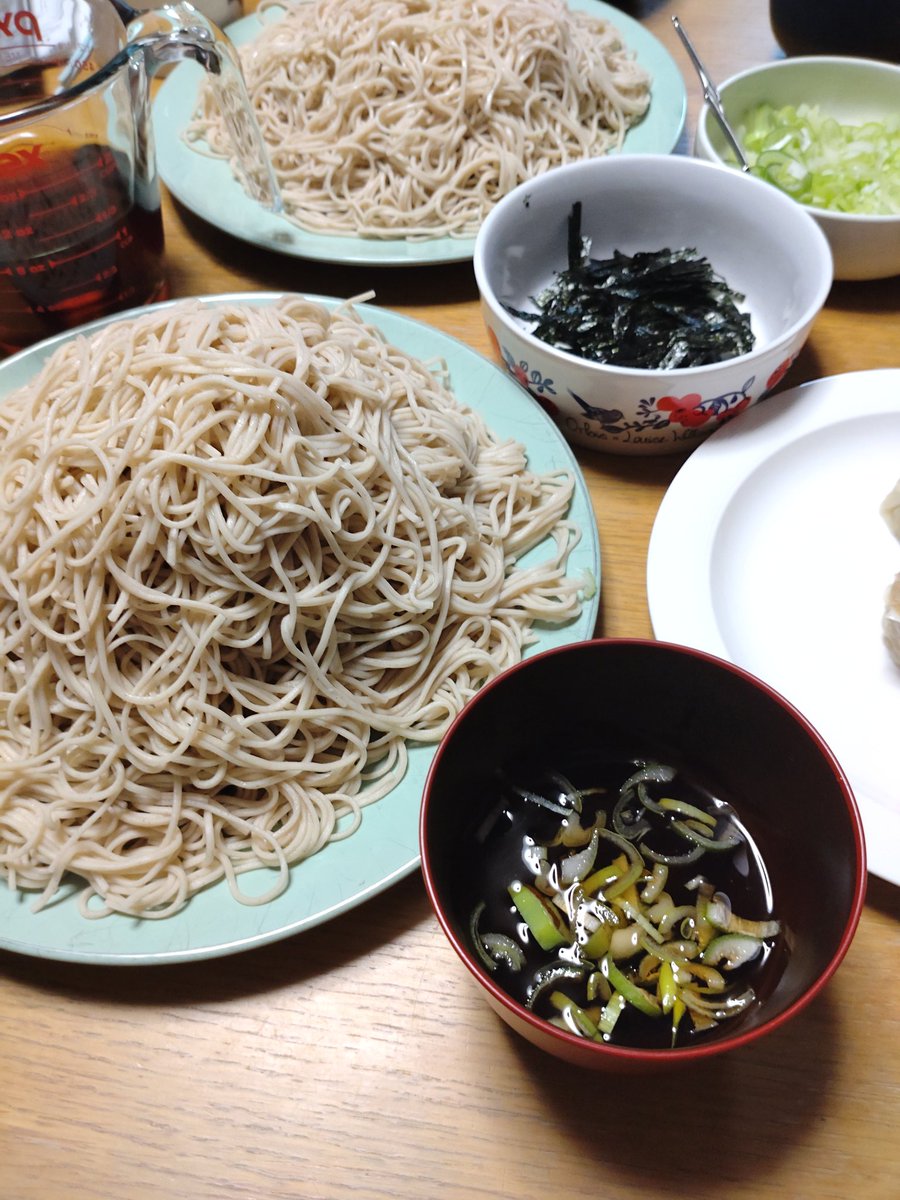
[(74, 244)]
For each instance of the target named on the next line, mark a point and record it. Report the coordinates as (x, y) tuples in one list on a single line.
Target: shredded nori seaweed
[(654, 309)]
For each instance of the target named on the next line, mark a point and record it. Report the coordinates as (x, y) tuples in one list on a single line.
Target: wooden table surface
[(357, 1059)]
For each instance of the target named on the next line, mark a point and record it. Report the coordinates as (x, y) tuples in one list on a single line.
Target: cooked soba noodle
[(246, 553), (396, 118)]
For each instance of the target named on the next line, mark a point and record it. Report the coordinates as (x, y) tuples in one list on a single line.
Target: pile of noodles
[(246, 552), (397, 118)]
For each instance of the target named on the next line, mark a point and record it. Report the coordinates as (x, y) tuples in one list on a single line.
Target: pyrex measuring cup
[(80, 226)]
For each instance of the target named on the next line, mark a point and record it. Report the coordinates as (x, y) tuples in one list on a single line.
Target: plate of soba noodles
[(256, 553), (394, 129)]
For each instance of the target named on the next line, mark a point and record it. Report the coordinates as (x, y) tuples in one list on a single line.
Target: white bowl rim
[(784, 64), (825, 262)]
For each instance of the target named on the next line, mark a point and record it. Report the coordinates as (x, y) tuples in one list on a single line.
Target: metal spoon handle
[(711, 95)]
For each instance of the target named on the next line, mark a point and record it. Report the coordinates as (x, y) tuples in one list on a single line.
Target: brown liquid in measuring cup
[(75, 243)]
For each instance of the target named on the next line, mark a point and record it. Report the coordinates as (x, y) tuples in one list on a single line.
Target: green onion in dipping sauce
[(614, 919), (661, 309)]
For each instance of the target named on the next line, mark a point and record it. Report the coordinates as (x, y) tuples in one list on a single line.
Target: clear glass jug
[(80, 227)]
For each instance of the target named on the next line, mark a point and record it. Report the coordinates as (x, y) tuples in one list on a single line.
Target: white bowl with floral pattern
[(763, 244)]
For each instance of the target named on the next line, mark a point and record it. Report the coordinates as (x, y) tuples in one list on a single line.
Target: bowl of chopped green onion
[(643, 300), (824, 130), (642, 854)]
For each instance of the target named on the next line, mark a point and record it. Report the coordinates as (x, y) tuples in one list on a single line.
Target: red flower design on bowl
[(779, 373), (685, 410)]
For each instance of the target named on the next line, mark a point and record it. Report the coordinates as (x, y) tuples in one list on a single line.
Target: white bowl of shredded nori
[(645, 299), (654, 310)]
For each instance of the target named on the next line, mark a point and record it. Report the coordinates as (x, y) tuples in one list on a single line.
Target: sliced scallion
[(611, 929), (825, 163), (636, 996), (732, 950)]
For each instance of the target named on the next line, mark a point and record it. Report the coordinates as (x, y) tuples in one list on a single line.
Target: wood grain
[(357, 1060)]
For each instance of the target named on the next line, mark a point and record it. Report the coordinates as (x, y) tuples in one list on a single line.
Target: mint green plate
[(385, 847), (206, 186)]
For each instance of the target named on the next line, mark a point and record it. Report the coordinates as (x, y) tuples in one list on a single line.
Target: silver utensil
[(711, 95)]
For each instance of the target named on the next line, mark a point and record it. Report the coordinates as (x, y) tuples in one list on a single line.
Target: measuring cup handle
[(179, 31)]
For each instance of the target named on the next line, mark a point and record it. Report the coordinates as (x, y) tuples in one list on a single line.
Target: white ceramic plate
[(385, 848), (207, 187), (769, 550)]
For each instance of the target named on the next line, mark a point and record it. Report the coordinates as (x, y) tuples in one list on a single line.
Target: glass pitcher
[(80, 226)]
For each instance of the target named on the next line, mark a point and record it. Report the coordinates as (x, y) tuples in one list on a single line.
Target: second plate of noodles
[(399, 165), (183, 573)]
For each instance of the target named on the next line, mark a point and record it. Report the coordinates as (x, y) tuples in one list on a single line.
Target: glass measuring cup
[(80, 226)]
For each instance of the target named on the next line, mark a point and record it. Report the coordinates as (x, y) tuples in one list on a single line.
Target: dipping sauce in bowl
[(667, 752), (624, 903)]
